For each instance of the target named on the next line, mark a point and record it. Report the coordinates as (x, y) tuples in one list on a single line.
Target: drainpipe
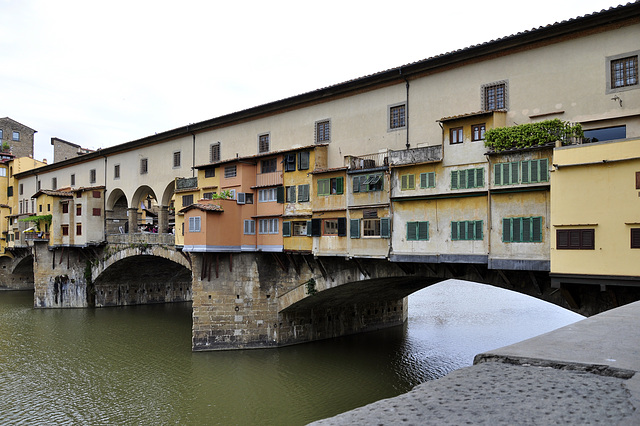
[(193, 155), (104, 198), (407, 110), (489, 220)]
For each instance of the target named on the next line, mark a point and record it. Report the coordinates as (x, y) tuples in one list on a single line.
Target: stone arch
[(167, 195), (115, 195), (127, 251), (140, 194)]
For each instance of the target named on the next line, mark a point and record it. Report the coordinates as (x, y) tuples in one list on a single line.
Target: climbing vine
[(311, 287)]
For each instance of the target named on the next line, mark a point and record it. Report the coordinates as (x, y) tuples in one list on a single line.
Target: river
[(134, 365)]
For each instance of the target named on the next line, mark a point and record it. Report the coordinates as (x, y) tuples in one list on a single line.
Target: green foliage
[(532, 134), (311, 287), (223, 195), (37, 219), (5, 146)]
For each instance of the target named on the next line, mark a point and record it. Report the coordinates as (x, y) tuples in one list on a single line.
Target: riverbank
[(583, 373)]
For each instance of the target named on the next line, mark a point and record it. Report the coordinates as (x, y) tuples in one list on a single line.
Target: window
[(269, 166), (21, 189), (214, 152), (79, 229), (230, 172), (522, 229), (605, 134), (268, 226), (303, 160), (303, 193), (466, 230), (376, 227), (291, 194), (95, 194), (194, 224), (407, 182), (209, 173), (506, 173), (299, 229), (494, 96), (1, 134), (267, 195), (535, 171), (337, 226), (477, 132), (624, 72), (248, 198), (637, 181), (92, 176), (65, 230), (97, 212), (3, 171), (264, 144), (78, 209), (10, 191), (73, 179), (116, 171), (323, 131), (417, 231), (635, 238), (65, 207), (428, 180), (290, 162), (469, 178), (249, 227), (54, 183), (332, 186), (396, 117), (367, 183), (575, 239), (187, 200), (144, 166), (15, 136), (176, 159), (455, 135), (38, 185)]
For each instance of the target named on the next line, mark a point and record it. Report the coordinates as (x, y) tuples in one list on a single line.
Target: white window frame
[(267, 195), (268, 226), (249, 227), (608, 60), (404, 118), (194, 224)]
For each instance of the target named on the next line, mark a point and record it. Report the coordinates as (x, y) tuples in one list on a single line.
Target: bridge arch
[(140, 274), (115, 197), (140, 194)]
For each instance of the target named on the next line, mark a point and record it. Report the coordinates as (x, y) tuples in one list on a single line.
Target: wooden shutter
[(479, 178), (587, 240), (562, 239), (635, 238), (356, 183), (342, 227), (303, 160), (423, 230), (506, 230), (340, 185), (514, 173), (309, 228), (280, 194), (286, 229), (316, 227), (497, 174), (526, 229), (536, 225), (478, 230), (385, 227), (637, 180), (431, 179), (471, 178), (516, 226), (454, 231), (544, 170), (412, 233), (454, 179), (354, 228), (535, 175), (526, 166)]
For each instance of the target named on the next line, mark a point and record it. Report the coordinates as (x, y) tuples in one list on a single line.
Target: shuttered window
[(428, 180), (291, 194), (635, 238), (286, 229), (466, 230), (417, 231), (522, 229), (354, 228), (506, 173), (535, 171), (303, 193), (194, 224), (468, 178), (407, 182), (303, 160), (575, 239), (214, 152), (264, 144), (332, 186)]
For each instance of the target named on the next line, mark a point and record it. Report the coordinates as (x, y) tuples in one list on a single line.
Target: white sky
[(101, 73)]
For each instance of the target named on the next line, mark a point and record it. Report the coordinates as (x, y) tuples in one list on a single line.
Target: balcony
[(368, 161), (37, 236), (269, 179), (426, 154)]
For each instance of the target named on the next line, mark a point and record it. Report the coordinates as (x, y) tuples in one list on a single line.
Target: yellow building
[(595, 215)]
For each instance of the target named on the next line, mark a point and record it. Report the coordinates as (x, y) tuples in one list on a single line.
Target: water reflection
[(133, 365)]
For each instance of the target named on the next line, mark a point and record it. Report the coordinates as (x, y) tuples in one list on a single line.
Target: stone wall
[(59, 277), (22, 147)]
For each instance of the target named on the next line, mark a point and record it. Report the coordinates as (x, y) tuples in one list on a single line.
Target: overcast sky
[(101, 73)]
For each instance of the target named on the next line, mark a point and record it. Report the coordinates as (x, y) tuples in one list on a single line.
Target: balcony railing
[(368, 161), (269, 179), (142, 238), (426, 154), (36, 236)]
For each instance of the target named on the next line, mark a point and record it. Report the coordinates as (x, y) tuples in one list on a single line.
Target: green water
[(134, 365)]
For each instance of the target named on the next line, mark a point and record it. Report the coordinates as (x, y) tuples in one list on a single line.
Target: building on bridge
[(404, 167)]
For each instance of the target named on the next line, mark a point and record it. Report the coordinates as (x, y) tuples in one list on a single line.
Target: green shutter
[(536, 225), (412, 181), (423, 230), (342, 227), (454, 231), (478, 230), (506, 230), (544, 170), (340, 185), (526, 230), (431, 179), (479, 178), (316, 227), (404, 182), (280, 194), (354, 228), (286, 229), (385, 227), (308, 228), (516, 225), (526, 167), (454, 179), (323, 187), (514, 173), (303, 160), (356, 184), (423, 180), (535, 175), (497, 174), (412, 231)]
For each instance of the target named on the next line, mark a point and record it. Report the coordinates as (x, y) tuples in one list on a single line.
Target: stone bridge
[(254, 300)]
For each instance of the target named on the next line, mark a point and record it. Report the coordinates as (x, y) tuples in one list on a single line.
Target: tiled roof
[(203, 207)]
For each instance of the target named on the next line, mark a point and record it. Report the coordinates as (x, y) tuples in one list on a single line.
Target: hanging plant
[(532, 134), (46, 218)]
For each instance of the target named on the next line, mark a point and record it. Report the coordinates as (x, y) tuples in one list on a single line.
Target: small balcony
[(426, 154), (37, 236), (269, 179), (367, 161)]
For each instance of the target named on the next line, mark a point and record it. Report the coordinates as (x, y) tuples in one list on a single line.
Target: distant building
[(17, 136), (63, 150)]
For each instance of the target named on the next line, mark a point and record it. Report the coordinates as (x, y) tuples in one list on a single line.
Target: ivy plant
[(531, 134)]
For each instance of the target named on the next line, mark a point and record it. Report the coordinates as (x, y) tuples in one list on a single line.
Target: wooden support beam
[(323, 271), (217, 264), (230, 262), (433, 271), (209, 269), (307, 262), (571, 297), (203, 269), (407, 269), (505, 279), (279, 261), (292, 259), (534, 281), (361, 268), (477, 271), (61, 255)]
